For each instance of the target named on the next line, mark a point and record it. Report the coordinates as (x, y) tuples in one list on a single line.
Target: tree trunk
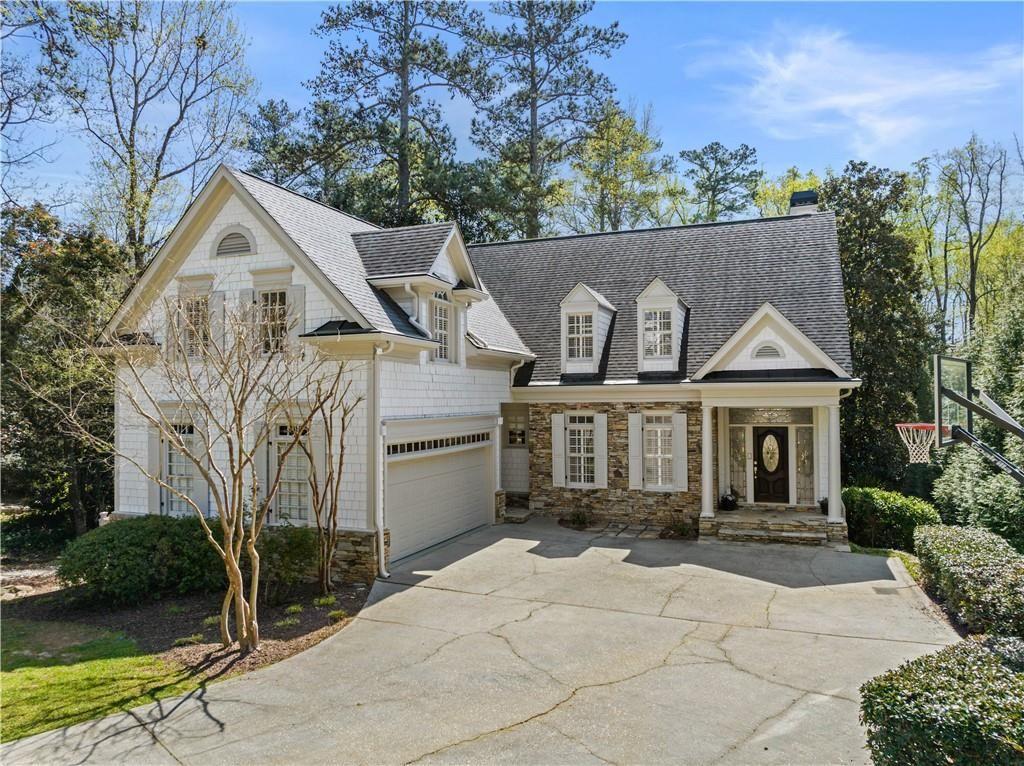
[(78, 514)]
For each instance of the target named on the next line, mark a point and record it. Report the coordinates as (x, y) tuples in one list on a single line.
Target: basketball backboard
[(952, 375)]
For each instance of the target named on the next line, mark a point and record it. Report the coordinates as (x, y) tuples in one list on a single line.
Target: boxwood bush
[(961, 705), (136, 560), (877, 518), (977, 574)]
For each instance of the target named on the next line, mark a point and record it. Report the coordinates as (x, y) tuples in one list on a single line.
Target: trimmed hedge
[(877, 518), (137, 560), (978, 576), (961, 705)]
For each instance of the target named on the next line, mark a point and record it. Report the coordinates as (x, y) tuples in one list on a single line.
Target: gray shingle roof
[(325, 235), (724, 272), (405, 250)]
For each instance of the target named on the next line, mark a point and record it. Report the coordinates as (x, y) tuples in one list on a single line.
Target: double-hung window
[(196, 320), (178, 473), (293, 491), (273, 319), (440, 324), (657, 333), (657, 441), (516, 428), (579, 433), (579, 336)]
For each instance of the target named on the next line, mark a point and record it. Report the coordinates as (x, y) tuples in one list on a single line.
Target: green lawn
[(57, 674), (909, 560)]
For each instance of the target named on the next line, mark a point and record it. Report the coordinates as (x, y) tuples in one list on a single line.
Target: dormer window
[(440, 322), (657, 334), (579, 336), (660, 319)]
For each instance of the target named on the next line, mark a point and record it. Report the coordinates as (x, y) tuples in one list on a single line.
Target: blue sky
[(807, 84)]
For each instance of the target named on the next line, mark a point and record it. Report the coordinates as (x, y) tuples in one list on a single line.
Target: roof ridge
[(389, 229), (705, 224), (303, 196)]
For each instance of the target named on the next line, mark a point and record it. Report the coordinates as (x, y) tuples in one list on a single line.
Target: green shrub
[(972, 493), (34, 532), (287, 558), (294, 609), (881, 519), (961, 705), (195, 638), (136, 560), (977, 574), (287, 622), (337, 615), (324, 601)]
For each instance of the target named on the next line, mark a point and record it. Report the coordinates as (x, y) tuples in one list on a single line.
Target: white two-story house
[(637, 375)]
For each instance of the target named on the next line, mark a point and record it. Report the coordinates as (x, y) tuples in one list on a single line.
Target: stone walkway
[(537, 644)]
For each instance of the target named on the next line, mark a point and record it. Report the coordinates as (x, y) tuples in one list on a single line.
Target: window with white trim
[(273, 318), (178, 472), (579, 446), (440, 321), (657, 333), (196, 324), (293, 491), (658, 451), (579, 336), (515, 425)]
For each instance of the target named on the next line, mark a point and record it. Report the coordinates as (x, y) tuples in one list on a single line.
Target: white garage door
[(430, 499)]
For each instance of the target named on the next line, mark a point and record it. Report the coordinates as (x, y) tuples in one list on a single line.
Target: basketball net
[(918, 437)]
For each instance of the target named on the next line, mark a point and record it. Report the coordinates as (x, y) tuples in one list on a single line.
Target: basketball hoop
[(918, 437)]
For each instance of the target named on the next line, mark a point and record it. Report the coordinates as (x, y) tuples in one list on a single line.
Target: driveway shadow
[(499, 546)]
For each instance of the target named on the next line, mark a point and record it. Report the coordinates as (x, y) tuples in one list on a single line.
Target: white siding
[(410, 389), (791, 358)]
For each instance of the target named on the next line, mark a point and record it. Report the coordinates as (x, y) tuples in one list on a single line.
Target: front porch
[(777, 458)]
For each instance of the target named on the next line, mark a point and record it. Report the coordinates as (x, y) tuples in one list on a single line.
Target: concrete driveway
[(537, 644)]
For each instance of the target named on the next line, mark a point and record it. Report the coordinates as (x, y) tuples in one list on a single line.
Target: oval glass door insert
[(770, 453)]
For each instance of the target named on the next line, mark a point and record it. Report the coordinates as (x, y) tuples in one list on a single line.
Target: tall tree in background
[(274, 143), (975, 177), (771, 196), (35, 51), (551, 98), (888, 330), (401, 53), (160, 89), (55, 278), (724, 180), (618, 173)]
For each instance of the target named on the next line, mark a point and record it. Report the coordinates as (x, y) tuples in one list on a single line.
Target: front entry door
[(771, 465)]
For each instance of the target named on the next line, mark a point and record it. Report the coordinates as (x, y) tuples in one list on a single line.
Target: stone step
[(517, 515), (806, 537), (774, 526)]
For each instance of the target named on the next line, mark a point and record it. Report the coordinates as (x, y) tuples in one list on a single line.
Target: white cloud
[(820, 82)]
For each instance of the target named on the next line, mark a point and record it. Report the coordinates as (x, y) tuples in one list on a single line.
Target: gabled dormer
[(586, 318), (660, 319)]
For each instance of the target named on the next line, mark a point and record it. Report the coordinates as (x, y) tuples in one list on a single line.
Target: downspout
[(378, 452), (512, 372), (416, 310)]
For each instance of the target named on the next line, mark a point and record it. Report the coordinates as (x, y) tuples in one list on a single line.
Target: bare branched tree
[(160, 89), (231, 393)]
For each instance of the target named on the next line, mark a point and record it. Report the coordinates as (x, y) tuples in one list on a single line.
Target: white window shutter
[(154, 466), (296, 312), (200, 491), (266, 466), (174, 328), (636, 450), (601, 451), (679, 448), (318, 445), (216, 309), (557, 449)]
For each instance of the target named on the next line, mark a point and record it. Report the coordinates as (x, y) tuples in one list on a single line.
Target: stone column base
[(836, 532), (355, 556), (500, 503)]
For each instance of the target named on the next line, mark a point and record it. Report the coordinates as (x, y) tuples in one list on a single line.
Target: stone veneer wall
[(500, 502), (355, 556), (618, 502)]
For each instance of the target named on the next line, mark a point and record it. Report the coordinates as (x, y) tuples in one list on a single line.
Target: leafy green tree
[(771, 196), (724, 180), (59, 285), (888, 329), (385, 59), (618, 173), (551, 97), (274, 142)]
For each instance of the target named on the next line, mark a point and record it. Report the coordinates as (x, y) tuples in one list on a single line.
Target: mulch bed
[(155, 627)]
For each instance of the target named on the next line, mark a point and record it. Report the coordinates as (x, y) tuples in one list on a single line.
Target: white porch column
[(499, 480), (707, 464), (835, 498)]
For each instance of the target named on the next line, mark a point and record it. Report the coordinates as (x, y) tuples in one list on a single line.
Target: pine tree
[(551, 98), (723, 179)]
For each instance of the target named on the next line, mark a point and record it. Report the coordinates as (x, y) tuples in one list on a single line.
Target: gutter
[(416, 307), (379, 431)]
